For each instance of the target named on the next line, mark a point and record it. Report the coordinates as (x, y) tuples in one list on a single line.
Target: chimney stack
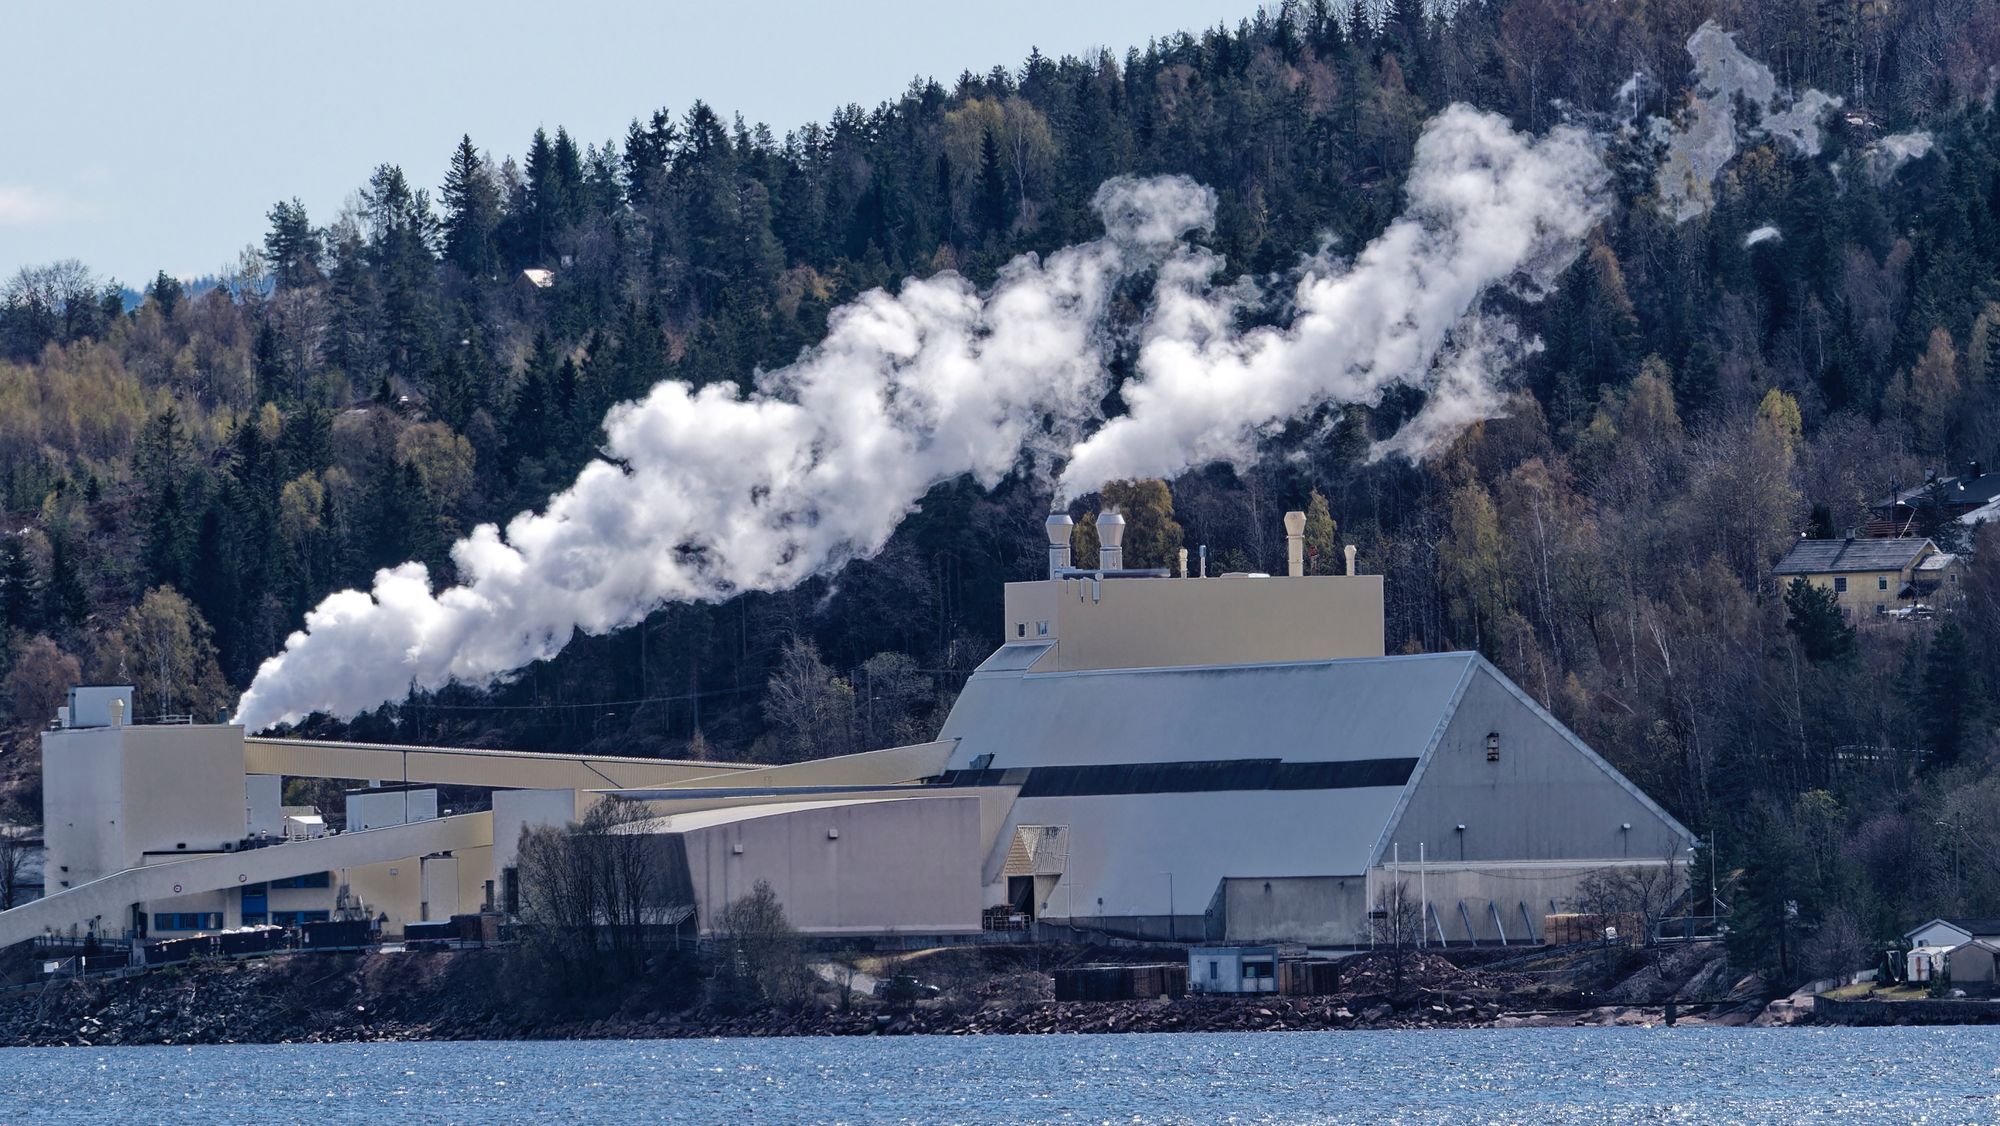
[(1059, 525), (1184, 573), (1350, 560), (117, 712), (1295, 544), (1110, 541)]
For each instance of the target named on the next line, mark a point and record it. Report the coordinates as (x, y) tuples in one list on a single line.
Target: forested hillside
[(181, 482)]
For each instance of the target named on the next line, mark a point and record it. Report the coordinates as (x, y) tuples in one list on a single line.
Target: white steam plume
[(1707, 138), (707, 492), (1487, 207), (1889, 153)]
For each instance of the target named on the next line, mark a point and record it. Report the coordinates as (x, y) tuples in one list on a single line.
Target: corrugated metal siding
[(1326, 711)]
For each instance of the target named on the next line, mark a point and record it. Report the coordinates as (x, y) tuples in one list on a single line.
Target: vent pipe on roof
[(1295, 544), (1059, 525), (117, 712), (1183, 562), (1350, 560), (1110, 541)]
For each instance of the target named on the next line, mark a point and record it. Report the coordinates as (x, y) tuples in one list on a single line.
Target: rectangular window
[(1041, 629), (1211, 969), (1881, 582), (250, 920), (1840, 584), (309, 880), (187, 920)]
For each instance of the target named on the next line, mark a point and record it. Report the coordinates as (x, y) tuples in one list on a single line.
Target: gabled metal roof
[(1822, 557), (1352, 710)]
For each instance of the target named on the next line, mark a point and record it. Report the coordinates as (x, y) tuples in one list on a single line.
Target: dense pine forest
[(183, 479)]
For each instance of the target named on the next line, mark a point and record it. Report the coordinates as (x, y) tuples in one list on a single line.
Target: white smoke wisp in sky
[(1488, 208), (1890, 153), (1707, 139), (705, 493), (1765, 233)]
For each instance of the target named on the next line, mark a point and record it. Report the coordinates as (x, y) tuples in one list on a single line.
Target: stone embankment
[(464, 996)]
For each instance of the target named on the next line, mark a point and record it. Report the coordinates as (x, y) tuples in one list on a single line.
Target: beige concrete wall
[(908, 866), (515, 810), (1322, 910), (1863, 593), (1153, 623), (346, 855), (1507, 888), (110, 795), (440, 888)]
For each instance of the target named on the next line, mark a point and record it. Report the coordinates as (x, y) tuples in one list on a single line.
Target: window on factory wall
[(309, 880), (1881, 582), (1041, 629), (187, 920), (1840, 584), (298, 918)]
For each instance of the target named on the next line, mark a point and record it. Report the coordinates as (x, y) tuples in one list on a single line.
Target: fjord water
[(1525, 1075)]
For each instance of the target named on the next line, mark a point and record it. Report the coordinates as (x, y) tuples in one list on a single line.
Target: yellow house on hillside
[(1873, 576)]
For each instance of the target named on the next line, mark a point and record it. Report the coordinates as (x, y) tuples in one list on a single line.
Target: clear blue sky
[(142, 136)]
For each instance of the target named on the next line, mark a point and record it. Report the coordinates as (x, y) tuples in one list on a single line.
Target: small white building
[(378, 806), (1233, 969), (1948, 933)]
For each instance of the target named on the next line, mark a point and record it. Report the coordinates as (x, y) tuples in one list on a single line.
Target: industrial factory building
[(1208, 759)]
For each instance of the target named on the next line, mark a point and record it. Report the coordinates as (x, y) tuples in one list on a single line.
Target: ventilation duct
[(1110, 542)]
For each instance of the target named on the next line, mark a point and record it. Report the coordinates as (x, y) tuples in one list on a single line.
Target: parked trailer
[(430, 932), (1121, 982), (1315, 978), (335, 934)]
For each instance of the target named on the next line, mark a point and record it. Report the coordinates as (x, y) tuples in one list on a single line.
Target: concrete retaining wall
[(1906, 1012)]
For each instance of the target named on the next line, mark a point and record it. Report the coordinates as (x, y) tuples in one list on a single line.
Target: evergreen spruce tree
[(472, 212)]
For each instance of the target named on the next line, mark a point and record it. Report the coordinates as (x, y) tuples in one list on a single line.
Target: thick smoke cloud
[(1487, 207), (704, 493)]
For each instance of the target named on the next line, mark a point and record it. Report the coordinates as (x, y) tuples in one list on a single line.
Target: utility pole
[(1173, 932)]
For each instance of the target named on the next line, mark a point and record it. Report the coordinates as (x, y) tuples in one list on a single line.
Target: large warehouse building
[(1229, 758)]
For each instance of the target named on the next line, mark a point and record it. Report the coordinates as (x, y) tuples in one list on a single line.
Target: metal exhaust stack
[(1295, 544), (1110, 541), (1350, 560), (1059, 525)]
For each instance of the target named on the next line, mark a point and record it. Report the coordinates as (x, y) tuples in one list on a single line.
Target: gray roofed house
[(1848, 556), (1872, 576)]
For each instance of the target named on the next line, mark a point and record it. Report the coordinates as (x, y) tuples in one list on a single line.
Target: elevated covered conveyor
[(463, 766), (105, 901)]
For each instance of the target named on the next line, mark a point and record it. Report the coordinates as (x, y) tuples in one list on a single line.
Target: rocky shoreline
[(363, 998)]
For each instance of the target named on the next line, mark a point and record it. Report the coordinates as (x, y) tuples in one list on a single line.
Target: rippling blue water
[(1703, 1075)]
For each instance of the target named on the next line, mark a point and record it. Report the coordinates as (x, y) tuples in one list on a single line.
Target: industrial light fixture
[(831, 834), (1493, 746), (1461, 826), (1625, 828)]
